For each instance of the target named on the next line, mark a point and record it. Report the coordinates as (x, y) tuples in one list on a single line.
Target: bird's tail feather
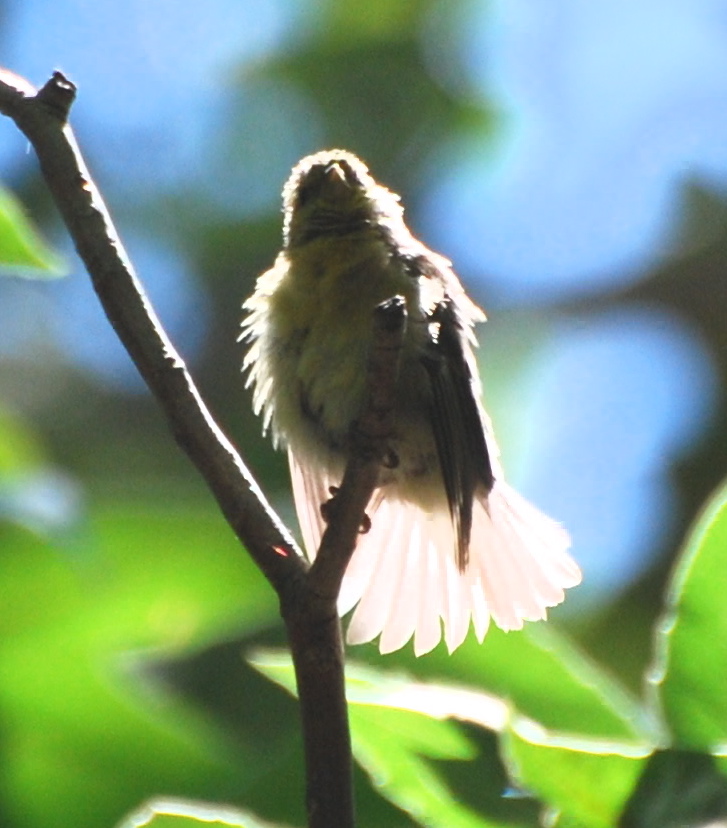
[(403, 578)]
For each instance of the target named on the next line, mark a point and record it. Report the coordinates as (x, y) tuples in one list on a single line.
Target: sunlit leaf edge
[(661, 676), (394, 751), (366, 685), (176, 813)]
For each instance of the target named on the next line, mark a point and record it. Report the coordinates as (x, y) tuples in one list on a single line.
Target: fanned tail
[(403, 577)]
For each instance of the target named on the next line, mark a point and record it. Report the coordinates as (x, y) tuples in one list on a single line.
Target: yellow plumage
[(450, 541)]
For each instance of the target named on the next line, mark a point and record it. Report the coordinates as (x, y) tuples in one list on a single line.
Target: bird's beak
[(335, 180)]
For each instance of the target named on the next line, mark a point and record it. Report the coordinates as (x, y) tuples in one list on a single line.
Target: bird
[(449, 543)]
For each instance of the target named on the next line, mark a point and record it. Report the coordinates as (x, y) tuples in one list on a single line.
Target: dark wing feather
[(459, 431)]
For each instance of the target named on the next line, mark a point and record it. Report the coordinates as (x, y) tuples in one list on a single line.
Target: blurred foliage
[(690, 637), (131, 621), (22, 250)]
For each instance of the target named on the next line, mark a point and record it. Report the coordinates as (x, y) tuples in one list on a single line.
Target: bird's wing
[(457, 421)]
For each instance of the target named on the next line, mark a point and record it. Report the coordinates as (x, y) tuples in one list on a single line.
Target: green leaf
[(172, 577), (678, 789), (82, 721), (588, 781), (177, 813), (370, 686), (545, 677), (80, 730), (389, 744), (395, 723), (40, 592), (22, 251), (588, 778), (691, 663)]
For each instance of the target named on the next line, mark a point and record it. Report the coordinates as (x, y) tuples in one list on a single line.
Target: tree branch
[(307, 597), (42, 118), (369, 442), (319, 671)]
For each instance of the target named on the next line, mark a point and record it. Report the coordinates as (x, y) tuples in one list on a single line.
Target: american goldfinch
[(449, 541)]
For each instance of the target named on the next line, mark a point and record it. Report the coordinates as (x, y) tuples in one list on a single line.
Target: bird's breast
[(325, 313)]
